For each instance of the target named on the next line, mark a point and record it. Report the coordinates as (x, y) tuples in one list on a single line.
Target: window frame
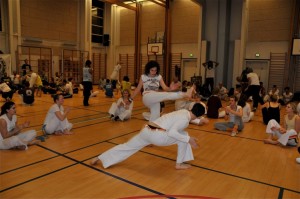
[(98, 7)]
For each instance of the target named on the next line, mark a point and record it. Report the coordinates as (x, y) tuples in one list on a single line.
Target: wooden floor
[(224, 166)]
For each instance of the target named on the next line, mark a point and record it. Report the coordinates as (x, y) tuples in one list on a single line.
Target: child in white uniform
[(122, 109)]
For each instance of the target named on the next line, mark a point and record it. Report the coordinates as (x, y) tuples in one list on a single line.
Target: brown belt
[(155, 128)]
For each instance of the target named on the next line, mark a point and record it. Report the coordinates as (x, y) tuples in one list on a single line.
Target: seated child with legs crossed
[(122, 109)]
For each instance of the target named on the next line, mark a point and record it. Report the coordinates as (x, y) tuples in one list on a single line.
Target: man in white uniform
[(164, 131)]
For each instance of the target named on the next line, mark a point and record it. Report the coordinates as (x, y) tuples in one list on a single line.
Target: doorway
[(189, 69)]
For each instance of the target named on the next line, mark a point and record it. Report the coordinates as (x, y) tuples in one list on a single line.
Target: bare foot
[(21, 147), (181, 166), (269, 141), (150, 145), (67, 133), (59, 133), (34, 142), (95, 161)]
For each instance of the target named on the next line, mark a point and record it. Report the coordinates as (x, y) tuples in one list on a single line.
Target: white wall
[(265, 48)]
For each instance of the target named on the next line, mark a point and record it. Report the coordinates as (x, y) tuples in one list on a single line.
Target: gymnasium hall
[(208, 43)]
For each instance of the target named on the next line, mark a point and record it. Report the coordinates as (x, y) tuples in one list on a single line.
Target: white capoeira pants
[(248, 118), (282, 138), (56, 125), (94, 94), (21, 139), (152, 100), (121, 112), (145, 137)]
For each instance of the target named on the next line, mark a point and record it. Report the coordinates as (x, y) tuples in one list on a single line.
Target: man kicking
[(164, 131)]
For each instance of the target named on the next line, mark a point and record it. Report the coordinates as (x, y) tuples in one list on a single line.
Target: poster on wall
[(5, 64)]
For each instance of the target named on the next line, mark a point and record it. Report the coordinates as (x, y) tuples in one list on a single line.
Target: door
[(189, 69)]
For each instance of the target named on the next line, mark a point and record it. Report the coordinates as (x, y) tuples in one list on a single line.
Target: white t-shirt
[(287, 97), (223, 90), (69, 88), (32, 80), (51, 113), (115, 73), (232, 117), (254, 80), (151, 83), (274, 93), (11, 124), (87, 76)]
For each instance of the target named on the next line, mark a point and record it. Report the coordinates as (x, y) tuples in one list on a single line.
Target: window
[(97, 21)]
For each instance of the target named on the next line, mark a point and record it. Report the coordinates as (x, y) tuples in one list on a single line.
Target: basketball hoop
[(154, 49)]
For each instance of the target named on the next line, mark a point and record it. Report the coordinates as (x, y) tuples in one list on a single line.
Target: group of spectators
[(30, 84), (186, 95)]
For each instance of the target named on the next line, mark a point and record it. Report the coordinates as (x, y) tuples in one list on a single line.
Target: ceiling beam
[(120, 3)]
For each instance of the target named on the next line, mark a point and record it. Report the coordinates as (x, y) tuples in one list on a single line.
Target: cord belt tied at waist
[(154, 128)]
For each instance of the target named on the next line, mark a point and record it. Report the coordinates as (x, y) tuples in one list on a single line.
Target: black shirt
[(28, 95)]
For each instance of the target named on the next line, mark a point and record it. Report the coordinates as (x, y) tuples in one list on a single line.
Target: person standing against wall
[(87, 82), (210, 73)]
